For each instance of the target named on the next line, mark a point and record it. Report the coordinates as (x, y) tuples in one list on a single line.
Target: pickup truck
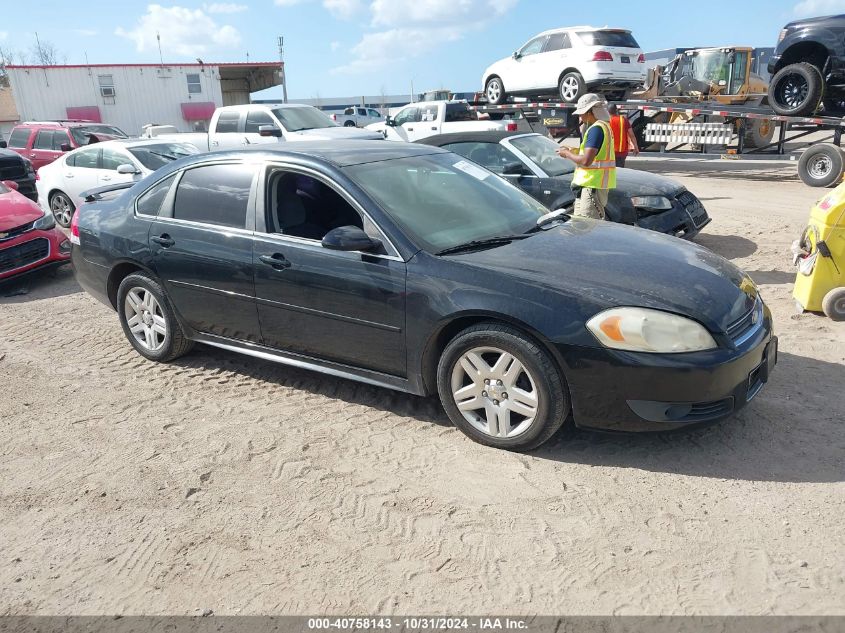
[(426, 118), (356, 117), (236, 126)]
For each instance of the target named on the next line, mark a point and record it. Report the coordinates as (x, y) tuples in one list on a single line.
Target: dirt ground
[(226, 483)]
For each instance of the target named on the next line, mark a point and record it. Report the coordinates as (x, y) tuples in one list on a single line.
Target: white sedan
[(61, 183)]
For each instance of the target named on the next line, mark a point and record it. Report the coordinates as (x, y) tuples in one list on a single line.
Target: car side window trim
[(260, 211), (167, 203)]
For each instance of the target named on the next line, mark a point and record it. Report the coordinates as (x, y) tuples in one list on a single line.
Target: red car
[(42, 142), (29, 239)]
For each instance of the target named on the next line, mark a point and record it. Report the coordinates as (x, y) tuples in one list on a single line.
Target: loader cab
[(722, 74)]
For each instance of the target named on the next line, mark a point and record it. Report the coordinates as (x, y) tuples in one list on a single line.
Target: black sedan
[(531, 162), (412, 268)]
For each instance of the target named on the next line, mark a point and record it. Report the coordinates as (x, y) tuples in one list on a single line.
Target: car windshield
[(443, 200), (302, 118), (543, 152), (80, 133), (622, 39), (158, 155), (707, 66)]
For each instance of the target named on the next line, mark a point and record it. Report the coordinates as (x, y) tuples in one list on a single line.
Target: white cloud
[(184, 32), (334, 46), (809, 8), (411, 28), (343, 9), (225, 7)]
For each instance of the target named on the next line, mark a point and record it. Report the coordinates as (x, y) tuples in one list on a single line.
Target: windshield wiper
[(477, 244), (167, 156)]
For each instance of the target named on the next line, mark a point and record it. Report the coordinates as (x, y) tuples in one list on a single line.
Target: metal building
[(133, 95)]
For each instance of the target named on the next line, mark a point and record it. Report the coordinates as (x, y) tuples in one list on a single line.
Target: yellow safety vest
[(602, 173)]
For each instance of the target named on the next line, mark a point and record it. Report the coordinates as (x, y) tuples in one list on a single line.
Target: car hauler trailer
[(703, 130)]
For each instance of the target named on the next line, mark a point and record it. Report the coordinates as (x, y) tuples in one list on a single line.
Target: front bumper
[(682, 220), (33, 251), (635, 392)]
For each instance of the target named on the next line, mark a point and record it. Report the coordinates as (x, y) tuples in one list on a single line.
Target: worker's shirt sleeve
[(595, 138)]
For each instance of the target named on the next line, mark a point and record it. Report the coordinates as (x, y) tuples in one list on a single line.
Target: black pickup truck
[(15, 167), (808, 67)]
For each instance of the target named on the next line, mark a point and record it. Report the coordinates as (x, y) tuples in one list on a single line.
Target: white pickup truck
[(427, 118), (356, 117), (235, 126)]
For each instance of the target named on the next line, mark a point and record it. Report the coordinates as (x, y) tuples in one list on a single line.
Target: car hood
[(616, 265), (329, 133), (16, 210)]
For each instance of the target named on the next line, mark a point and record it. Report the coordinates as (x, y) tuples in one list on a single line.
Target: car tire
[(156, 333), (821, 165), (62, 208), (833, 304), (537, 406), (349, 124), (796, 90), (571, 87), (494, 90)]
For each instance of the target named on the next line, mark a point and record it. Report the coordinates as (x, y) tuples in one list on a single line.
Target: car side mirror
[(269, 130), (65, 147), (11, 184), (389, 121), (126, 168), (516, 55), (3, 145), (513, 169), (349, 238)]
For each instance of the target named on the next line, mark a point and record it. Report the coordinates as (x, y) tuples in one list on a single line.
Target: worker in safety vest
[(595, 172), (624, 139)]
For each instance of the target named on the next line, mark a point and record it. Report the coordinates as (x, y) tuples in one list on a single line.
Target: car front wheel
[(501, 389), (148, 319), (62, 208)]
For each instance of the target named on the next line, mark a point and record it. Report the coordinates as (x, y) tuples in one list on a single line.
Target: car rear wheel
[(796, 90), (148, 319), (571, 87), (349, 124), (501, 389), (62, 208), (495, 91)]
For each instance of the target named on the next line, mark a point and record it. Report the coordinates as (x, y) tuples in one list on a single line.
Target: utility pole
[(160, 56), (281, 42)]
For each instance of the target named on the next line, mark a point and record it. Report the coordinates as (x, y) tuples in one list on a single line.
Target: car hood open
[(616, 265)]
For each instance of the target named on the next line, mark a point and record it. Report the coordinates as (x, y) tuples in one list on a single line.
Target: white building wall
[(143, 94)]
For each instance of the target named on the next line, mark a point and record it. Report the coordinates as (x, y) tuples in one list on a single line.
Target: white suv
[(568, 62)]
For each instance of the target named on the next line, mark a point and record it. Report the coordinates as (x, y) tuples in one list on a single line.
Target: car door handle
[(276, 260), (410, 129), (164, 240), (215, 143), (68, 175), (106, 178)]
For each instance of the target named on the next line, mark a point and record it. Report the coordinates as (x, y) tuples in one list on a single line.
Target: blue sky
[(356, 47)]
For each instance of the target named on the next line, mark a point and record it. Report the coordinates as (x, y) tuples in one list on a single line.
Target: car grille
[(709, 410), (693, 206), (18, 230), (740, 330), (24, 254), (12, 171)]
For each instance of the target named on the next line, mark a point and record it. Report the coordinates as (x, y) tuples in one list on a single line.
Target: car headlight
[(46, 221), (651, 202), (646, 330)]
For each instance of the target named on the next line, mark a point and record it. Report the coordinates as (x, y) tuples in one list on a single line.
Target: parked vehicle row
[(356, 117), (42, 142), (421, 120)]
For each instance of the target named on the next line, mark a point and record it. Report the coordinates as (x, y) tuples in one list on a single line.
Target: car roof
[(60, 124), (338, 153), (564, 29), (491, 136)]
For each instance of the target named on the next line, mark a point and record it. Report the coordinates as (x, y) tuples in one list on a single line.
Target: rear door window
[(556, 42), (228, 121), (150, 202), (19, 137), (622, 39), (215, 194), (43, 140), (459, 112), (86, 158)]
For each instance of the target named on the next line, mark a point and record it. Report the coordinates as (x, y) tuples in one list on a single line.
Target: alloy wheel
[(494, 91), (569, 88), (145, 318), (495, 392), (62, 209), (794, 90)]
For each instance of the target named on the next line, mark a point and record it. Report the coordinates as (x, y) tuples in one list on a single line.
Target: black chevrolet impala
[(409, 267)]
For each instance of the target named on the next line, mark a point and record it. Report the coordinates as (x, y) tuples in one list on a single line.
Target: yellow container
[(820, 256)]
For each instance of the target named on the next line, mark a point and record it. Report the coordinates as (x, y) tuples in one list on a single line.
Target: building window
[(106, 85), (194, 85)]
